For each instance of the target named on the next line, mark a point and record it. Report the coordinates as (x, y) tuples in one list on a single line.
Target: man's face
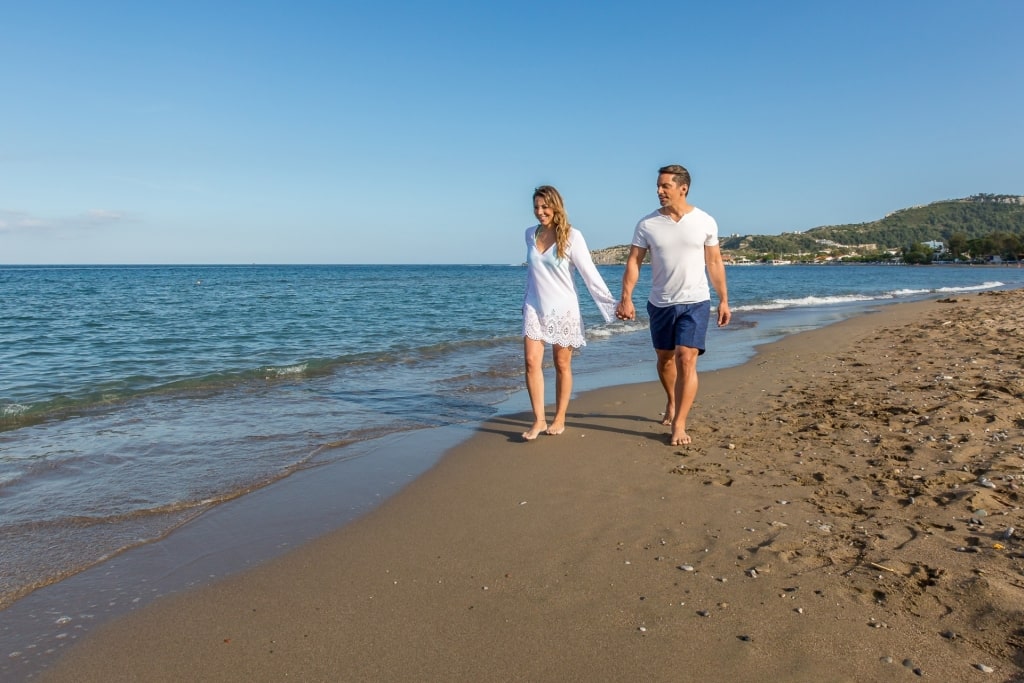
[(669, 192)]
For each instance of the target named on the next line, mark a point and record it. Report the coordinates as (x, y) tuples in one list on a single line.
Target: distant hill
[(610, 255), (970, 218)]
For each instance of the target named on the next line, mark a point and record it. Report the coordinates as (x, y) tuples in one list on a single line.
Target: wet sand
[(842, 515)]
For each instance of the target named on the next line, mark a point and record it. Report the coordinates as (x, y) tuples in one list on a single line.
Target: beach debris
[(909, 663), (703, 613), (882, 567), (1008, 534), (686, 567), (984, 668), (642, 629), (885, 660), (522, 502), (752, 573), (986, 482), (950, 635), (745, 638), (799, 610)]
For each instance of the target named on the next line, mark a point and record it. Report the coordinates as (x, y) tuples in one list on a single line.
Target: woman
[(551, 309)]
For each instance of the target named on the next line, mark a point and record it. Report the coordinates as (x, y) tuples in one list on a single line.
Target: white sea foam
[(287, 371), (612, 329), (12, 410), (984, 285), (778, 304)]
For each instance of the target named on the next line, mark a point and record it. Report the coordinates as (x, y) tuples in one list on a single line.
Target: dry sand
[(841, 516)]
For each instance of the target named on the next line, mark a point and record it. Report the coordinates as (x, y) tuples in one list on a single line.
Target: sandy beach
[(844, 514)]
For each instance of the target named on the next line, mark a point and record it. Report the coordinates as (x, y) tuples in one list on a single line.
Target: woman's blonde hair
[(560, 221)]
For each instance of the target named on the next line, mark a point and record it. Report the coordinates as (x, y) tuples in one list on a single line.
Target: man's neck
[(675, 212)]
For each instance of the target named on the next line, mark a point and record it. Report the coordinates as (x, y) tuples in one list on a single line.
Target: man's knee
[(686, 355)]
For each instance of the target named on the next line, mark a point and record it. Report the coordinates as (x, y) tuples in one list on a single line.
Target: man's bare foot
[(680, 438), (556, 428), (531, 433), (668, 415)]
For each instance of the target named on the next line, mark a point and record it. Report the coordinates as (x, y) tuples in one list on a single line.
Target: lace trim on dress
[(565, 329)]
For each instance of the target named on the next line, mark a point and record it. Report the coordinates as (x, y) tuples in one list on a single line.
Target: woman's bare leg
[(533, 353), (563, 386)]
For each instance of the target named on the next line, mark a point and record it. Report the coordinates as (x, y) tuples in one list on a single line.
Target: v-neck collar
[(681, 218), (536, 247)]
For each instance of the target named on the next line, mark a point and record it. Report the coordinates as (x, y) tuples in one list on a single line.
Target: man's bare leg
[(533, 353), (667, 375), (685, 394), (563, 387)]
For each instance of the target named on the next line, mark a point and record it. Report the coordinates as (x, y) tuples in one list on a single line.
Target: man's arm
[(625, 309), (716, 273)]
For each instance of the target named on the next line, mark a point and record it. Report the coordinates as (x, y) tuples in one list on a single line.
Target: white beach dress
[(551, 308)]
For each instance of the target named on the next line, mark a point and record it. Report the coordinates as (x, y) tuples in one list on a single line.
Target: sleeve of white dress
[(580, 256)]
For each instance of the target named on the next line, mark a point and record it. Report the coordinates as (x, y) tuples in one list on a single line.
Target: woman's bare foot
[(531, 433), (556, 428)]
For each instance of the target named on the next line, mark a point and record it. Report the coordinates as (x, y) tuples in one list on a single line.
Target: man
[(683, 242)]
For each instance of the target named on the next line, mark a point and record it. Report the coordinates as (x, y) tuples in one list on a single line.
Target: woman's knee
[(563, 359)]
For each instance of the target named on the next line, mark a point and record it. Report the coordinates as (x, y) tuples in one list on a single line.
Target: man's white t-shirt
[(678, 270)]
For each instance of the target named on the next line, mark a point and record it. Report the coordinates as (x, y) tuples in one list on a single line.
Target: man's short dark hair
[(679, 174)]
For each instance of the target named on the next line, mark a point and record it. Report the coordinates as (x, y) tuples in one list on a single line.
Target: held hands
[(625, 310)]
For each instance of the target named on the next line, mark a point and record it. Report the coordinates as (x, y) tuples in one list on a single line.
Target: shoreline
[(561, 558)]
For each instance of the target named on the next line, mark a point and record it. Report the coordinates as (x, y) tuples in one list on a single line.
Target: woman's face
[(544, 213)]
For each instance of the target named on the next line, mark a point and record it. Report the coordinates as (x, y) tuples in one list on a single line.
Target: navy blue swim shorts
[(679, 325)]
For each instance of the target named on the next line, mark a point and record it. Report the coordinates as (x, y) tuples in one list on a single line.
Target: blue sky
[(415, 132)]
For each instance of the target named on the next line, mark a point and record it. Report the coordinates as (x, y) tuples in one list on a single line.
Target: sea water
[(135, 398)]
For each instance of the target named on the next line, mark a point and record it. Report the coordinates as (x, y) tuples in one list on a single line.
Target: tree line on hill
[(977, 227), (983, 227)]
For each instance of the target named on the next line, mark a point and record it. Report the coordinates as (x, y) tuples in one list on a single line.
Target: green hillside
[(960, 223)]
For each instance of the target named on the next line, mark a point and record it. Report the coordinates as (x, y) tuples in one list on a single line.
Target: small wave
[(947, 290), (973, 288), (760, 307), (287, 371), (608, 330), (778, 304), (829, 300), (12, 410)]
